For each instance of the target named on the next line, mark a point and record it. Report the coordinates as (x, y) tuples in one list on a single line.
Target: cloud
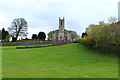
[(42, 15)]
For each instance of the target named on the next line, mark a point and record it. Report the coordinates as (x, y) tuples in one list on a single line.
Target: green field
[(65, 61)]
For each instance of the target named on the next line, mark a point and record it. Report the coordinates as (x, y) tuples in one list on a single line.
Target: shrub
[(103, 37)]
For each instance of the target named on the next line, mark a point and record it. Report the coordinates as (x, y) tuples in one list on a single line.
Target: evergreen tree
[(0, 35), (41, 36), (3, 34), (34, 36)]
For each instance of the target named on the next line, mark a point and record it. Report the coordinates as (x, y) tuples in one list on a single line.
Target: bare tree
[(18, 28), (112, 20)]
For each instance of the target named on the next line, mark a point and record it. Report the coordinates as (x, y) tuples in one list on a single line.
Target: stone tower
[(61, 28), (61, 34)]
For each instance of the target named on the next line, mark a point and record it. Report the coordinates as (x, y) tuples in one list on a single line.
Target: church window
[(61, 23)]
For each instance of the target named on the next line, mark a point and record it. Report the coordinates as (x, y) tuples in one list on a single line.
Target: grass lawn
[(0, 63), (65, 61)]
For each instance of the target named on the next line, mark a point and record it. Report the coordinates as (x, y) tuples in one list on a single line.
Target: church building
[(61, 34)]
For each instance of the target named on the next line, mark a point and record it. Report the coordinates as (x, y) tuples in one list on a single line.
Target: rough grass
[(65, 61)]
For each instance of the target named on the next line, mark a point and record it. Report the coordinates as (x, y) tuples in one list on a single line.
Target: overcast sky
[(43, 15)]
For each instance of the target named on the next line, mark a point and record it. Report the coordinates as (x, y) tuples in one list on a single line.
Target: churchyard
[(72, 60)]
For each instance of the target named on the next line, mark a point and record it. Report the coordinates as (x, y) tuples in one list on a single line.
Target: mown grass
[(0, 63), (65, 61)]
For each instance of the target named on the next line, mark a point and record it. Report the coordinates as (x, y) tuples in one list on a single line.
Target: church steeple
[(61, 24)]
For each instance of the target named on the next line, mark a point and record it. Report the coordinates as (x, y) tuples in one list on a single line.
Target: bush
[(104, 38), (81, 40)]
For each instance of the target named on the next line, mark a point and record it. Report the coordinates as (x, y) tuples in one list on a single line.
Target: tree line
[(41, 36), (104, 37), (19, 28)]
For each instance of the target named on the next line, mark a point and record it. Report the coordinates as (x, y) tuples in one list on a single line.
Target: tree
[(50, 35), (3, 34), (87, 30), (7, 36), (74, 35), (6, 33), (18, 28), (34, 36), (112, 20), (84, 34), (14, 39), (0, 35), (104, 37), (41, 36)]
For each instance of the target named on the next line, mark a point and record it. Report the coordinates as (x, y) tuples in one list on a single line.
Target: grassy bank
[(65, 61)]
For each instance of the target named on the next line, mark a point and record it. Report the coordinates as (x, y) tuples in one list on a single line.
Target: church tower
[(61, 29), (61, 25), (61, 34)]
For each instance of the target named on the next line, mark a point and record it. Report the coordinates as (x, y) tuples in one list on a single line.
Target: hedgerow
[(103, 37)]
